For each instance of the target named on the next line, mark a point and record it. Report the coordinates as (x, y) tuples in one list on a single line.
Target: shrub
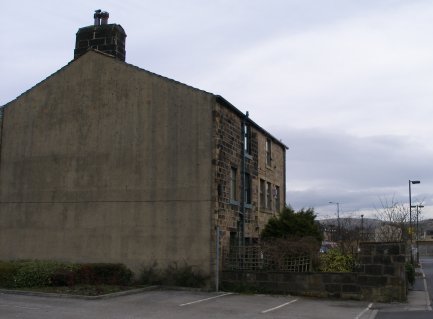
[(63, 277), (8, 272), (36, 273), (410, 273), (103, 273), (174, 275), (291, 224), (335, 261), (184, 276), (150, 274)]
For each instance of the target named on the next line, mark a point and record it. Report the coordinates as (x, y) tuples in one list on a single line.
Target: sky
[(345, 84)]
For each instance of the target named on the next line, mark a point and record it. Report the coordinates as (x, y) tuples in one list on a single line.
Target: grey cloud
[(353, 170)]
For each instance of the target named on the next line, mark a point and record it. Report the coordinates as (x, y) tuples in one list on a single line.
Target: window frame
[(234, 185), (262, 190), (268, 196), (277, 198), (247, 139), (268, 151), (248, 189)]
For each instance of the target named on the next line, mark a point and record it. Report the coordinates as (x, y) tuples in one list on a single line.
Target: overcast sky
[(346, 84)]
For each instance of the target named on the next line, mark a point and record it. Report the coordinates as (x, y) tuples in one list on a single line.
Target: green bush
[(150, 275), (335, 261), (182, 275), (8, 271), (410, 273), (64, 277), (103, 273), (36, 273)]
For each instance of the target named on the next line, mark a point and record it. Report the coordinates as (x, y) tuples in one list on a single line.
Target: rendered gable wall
[(104, 162)]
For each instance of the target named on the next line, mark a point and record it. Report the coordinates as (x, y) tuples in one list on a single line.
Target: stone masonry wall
[(380, 278), (381, 274), (228, 154)]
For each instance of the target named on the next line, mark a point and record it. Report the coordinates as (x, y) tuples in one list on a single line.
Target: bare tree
[(350, 234), (353, 231), (395, 219)]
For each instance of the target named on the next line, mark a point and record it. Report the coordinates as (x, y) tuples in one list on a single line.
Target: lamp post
[(338, 220), (362, 227), (410, 207), (410, 216)]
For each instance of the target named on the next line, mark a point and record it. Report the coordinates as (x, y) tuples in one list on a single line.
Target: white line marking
[(364, 311), (201, 300), (280, 306)]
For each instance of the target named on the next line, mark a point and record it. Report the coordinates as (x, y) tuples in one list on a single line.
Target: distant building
[(425, 230), (105, 162)]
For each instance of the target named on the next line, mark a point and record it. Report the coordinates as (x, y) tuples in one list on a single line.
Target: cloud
[(345, 84), (325, 166), (367, 74)]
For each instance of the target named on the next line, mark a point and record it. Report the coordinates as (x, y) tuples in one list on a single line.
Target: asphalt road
[(181, 305)]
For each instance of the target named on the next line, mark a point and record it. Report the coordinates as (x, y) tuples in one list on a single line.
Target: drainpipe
[(217, 263), (243, 197)]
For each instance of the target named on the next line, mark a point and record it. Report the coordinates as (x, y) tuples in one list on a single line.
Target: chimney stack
[(101, 36), (104, 17), (97, 17)]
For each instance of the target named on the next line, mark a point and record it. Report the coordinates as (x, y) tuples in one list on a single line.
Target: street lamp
[(362, 227), (410, 216), (338, 219), (410, 207)]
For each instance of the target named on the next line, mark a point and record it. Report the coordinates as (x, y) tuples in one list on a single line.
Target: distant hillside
[(369, 223), (350, 223)]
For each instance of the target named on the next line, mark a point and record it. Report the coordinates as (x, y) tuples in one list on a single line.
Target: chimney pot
[(97, 17), (104, 17)]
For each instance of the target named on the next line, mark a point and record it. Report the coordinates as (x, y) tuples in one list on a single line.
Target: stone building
[(106, 162)]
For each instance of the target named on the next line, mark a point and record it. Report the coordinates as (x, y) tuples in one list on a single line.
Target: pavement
[(419, 297)]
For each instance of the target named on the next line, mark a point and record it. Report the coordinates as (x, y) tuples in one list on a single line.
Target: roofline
[(219, 98), (226, 103)]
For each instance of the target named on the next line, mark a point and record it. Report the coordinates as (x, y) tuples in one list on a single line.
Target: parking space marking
[(280, 306), (201, 300), (364, 311)]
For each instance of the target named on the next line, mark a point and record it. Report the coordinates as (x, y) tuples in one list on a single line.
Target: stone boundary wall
[(380, 277)]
